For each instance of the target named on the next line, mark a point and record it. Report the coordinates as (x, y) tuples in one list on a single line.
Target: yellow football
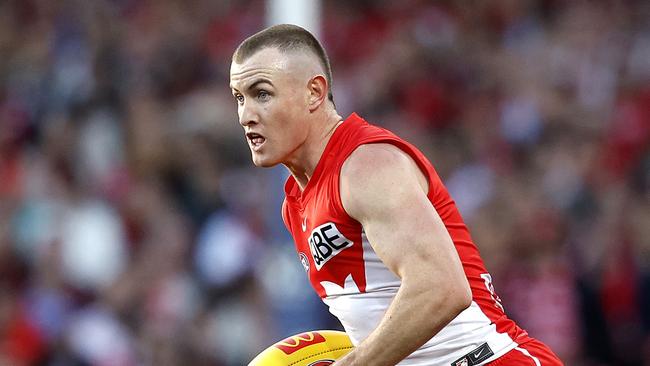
[(317, 348)]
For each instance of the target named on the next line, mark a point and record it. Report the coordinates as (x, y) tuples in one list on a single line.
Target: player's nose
[(247, 115)]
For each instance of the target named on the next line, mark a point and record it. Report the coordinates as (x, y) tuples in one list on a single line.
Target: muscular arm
[(385, 191)]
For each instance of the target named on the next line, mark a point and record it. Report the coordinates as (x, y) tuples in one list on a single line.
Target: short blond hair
[(285, 37)]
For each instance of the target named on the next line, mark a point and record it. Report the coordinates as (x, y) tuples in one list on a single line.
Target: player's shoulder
[(374, 159), (375, 167)]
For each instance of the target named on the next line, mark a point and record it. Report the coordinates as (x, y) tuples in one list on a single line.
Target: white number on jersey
[(490, 287)]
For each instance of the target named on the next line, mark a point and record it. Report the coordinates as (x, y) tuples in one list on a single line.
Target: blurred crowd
[(135, 231)]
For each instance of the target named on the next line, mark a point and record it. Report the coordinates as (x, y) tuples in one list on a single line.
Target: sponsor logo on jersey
[(322, 363), (298, 342), (304, 260), (325, 242)]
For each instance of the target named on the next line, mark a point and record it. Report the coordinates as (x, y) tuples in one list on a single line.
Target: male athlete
[(377, 232)]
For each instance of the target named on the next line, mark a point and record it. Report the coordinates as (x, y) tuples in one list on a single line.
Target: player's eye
[(239, 98), (263, 95)]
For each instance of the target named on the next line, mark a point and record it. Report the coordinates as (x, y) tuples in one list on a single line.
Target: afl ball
[(317, 348)]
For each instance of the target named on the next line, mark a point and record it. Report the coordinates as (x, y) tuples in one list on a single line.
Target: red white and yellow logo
[(299, 341)]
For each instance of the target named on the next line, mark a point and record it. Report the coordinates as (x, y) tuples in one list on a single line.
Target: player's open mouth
[(255, 140)]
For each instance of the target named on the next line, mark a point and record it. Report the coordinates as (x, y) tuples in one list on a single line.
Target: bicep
[(381, 187)]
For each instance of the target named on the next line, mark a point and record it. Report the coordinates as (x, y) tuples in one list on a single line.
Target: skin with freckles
[(282, 103)]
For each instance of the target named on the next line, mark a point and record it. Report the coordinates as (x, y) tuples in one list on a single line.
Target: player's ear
[(318, 89)]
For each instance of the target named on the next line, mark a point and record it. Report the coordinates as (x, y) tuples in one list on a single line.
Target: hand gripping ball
[(317, 348)]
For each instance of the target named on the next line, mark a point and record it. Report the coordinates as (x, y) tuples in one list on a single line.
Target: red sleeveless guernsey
[(356, 285)]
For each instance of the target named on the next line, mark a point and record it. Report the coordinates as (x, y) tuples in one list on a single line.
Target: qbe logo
[(325, 242)]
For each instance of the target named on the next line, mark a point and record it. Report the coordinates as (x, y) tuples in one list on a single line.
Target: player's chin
[(263, 161)]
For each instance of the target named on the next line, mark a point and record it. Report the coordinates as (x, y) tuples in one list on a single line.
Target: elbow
[(458, 299), (448, 300), (464, 299)]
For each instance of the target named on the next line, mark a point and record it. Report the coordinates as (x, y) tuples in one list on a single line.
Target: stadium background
[(135, 231)]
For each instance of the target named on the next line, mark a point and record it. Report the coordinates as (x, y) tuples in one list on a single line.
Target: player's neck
[(304, 163)]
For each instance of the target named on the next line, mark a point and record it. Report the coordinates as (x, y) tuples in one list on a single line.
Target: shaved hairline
[(286, 38), (288, 52), (240, 57)]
